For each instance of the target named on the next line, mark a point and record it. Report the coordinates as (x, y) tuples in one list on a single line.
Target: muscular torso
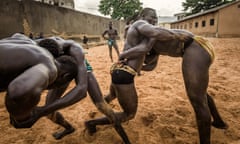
[(18, 55), (134, 38), (112, 34)]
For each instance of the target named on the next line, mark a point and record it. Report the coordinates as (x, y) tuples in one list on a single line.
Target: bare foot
[(59, 135), (90, 128), (87, 137), (219, 125)]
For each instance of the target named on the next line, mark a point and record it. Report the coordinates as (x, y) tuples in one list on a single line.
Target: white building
[(165, 21), (61, 3)]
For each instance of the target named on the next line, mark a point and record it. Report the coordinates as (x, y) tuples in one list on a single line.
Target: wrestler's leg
[(217, 120), (127, 98), (91, 124), (96, 96), (110, 52), (111, 96), (57, 117), (195, 66)]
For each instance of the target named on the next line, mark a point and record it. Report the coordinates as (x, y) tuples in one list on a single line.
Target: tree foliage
[(195, 6), (119, 9)]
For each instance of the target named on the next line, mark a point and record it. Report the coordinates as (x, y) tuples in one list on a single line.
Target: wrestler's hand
[(106, 38), (121, 57), (27, 123)]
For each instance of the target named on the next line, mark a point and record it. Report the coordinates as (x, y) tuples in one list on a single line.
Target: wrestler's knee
[(108, 98), (51, 116), (106, 109), (202, 112), (131, 115), (55, 116)]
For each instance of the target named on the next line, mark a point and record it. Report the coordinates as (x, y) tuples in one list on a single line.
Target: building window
[(185, 26), (211, 22), (196, 24), (190, 25), (203, 23)]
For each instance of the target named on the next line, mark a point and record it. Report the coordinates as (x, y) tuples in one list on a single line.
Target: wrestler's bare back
[(16, 58), (173, 47)]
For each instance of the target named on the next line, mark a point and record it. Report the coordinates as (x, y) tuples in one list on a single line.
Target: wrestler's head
[(51, 45), (110, 25), (149, 15), (67, 71)]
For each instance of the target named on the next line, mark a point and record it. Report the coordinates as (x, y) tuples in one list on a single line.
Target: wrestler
[(122, 74), (144, 44), (112, 39), (57, 46), (32, 70)]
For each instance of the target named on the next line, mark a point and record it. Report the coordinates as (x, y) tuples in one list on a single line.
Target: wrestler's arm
[(159, 33), (104, 33), (56, 93), (153, 33), (38, 112), (150, 62), (125, 32), (141, 49)]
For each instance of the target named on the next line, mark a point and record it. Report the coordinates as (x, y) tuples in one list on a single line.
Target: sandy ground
[(164, 115)]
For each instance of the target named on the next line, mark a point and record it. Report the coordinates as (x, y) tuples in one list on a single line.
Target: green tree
[(195, 6), (119, 9)]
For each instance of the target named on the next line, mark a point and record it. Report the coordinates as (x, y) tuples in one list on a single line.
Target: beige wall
[(165, 25), (190, 24), (20, 16), (226, 23), (229, 21)]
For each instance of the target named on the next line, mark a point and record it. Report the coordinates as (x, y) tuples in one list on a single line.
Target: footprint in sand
[(87, 137), (150, 118)]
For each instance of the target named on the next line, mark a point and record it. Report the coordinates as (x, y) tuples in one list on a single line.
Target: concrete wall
[(35, 17)]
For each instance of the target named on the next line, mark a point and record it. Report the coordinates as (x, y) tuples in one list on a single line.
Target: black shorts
[(121, 77)]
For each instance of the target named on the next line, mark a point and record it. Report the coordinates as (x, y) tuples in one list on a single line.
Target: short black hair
[(145, 11), (51, 45)]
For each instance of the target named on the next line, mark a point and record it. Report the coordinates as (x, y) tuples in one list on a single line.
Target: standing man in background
[(112, 36), (85, 41)]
